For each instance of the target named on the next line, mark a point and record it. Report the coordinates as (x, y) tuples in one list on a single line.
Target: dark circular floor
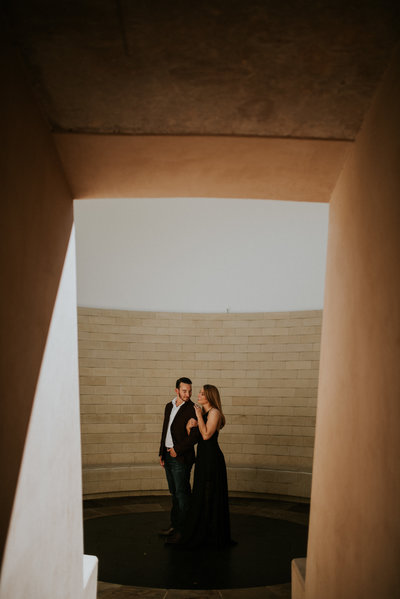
[(130, 552)]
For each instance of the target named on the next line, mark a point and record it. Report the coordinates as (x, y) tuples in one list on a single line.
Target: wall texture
[(41, 513), (265, 364), (124, 166), (47, 507), (354, 541), (36, 225)]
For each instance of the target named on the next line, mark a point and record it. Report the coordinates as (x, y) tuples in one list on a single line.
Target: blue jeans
[(178, 478)]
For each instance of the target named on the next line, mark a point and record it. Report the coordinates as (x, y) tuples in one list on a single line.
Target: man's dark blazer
[(183, 443)]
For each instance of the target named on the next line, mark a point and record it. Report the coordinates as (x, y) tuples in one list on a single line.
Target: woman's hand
[(199, 410)]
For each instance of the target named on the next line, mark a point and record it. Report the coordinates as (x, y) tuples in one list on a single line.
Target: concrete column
[(354, 540)]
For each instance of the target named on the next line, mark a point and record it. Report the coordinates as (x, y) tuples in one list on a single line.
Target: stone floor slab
[(112, 591), (281, 591), (192, 594)]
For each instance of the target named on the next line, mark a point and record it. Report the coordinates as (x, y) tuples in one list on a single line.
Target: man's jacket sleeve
[(190, 441)]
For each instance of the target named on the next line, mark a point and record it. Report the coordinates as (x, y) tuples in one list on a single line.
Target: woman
[(208, 520)]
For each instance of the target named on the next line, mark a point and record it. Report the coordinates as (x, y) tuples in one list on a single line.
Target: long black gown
[(208, 522)]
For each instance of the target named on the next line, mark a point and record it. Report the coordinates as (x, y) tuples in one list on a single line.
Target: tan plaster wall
[(36, 224), (354, 540), (110, 166), (44, 549), (41, 516), (265, 365)]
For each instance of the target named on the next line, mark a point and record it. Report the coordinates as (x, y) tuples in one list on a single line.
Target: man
[(177, 452)]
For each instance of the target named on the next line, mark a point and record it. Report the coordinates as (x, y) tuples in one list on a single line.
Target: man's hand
[(172, 452), (162, 463), (192, 423)]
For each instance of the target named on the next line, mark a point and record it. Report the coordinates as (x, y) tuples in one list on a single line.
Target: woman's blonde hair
[(212, 395)]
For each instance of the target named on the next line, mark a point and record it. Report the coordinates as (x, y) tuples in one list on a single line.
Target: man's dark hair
[(183, 380)]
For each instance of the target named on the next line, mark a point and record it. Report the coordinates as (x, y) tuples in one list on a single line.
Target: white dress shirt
[(168, 439)]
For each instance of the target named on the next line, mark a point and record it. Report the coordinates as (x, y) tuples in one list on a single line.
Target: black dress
[(208, 522)]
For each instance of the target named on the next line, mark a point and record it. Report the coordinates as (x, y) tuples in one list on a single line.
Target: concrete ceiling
[(269, 68)]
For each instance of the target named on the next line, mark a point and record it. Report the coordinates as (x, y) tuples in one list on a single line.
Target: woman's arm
[(207, 429)]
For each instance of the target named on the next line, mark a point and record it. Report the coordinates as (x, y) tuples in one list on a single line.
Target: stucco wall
[(41, 515), (265, 365), (44, 548), (354, 540), (127, 166)]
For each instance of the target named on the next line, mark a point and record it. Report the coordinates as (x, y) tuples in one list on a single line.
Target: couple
[(202, 517)]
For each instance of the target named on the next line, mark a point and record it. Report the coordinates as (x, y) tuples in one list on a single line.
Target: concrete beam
[(111, 166)]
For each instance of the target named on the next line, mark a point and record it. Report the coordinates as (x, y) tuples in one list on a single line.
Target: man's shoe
[(174, 539), (167, 532)]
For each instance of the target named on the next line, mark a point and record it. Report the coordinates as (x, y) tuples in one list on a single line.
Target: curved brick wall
[(265, 365)]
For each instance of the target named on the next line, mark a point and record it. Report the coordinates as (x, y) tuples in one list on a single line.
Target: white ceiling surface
[(201, 255)]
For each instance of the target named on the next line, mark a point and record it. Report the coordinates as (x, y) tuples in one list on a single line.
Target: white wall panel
[(201, 254)]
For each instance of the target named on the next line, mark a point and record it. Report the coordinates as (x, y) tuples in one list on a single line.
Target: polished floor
[(252, 519)]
